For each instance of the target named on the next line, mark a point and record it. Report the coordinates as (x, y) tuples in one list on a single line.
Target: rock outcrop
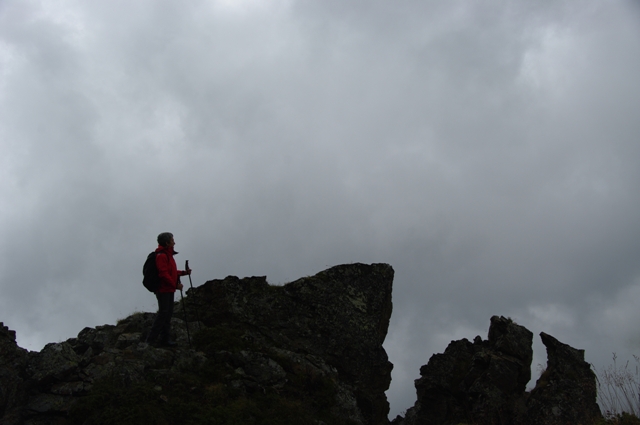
[(340, 315), (484, 383), (308, 352), (566, 391), (13, 363)]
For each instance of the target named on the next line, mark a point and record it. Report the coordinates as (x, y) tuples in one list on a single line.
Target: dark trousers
[(162, 325)]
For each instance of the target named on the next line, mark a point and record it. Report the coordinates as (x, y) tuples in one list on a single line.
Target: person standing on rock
[(169, 282)]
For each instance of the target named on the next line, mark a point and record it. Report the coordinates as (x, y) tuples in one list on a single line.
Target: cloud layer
[(487, 150)]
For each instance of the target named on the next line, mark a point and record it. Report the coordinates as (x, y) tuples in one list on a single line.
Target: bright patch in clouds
[(552, 316), (245, 7)]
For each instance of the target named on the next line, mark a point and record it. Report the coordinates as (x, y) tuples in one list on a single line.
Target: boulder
[(340, 315), (13, 363), (566, 391), (475, 382), (484, 383)]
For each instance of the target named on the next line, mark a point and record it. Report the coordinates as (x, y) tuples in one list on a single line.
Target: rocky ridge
[(308, 352)]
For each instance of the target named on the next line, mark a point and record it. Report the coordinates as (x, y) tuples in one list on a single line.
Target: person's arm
[(162, 263)]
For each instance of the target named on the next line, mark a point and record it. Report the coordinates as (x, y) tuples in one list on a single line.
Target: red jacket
[(167, 269)]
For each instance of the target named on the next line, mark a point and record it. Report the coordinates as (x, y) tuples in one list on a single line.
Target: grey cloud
[(487, 151)]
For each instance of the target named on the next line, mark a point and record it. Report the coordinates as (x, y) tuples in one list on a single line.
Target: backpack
[(151, 278)]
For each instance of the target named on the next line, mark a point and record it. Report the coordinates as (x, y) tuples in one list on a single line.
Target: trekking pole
[(186, 267), (186, 322)]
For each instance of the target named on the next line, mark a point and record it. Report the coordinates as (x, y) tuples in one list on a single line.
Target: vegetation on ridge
[(205, 395), (619, 392)]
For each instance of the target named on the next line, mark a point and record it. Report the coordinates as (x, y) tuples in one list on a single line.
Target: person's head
[(164, 239)]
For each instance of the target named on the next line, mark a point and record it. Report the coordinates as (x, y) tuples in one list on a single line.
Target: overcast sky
[(489, 150)]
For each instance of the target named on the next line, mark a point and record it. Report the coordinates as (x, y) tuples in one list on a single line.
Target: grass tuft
[(619, 392)]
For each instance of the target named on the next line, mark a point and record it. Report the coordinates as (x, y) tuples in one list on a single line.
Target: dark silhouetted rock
[(340, 315), (13, 363), (475, 382), (484, 383), (308, 352), (566, 391)]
